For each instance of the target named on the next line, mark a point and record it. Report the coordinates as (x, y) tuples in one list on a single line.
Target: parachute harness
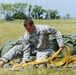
[(67, 61)]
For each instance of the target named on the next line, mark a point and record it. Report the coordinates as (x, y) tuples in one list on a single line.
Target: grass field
[(39, 71), (14, 29)]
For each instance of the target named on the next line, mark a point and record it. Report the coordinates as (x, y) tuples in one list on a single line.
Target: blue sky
[(63, 6)]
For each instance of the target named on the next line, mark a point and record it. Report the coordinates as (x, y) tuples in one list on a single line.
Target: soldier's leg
[(11, 54), (41, 55)]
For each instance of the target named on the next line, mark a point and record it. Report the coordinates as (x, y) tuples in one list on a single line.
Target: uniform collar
[(37, 30)]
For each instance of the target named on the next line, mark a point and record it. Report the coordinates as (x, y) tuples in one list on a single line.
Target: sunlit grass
[(14, 29)]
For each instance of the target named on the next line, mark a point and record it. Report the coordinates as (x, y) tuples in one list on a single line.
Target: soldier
[(35, 40)]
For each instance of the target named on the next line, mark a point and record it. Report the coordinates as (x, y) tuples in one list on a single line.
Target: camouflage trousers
[(17, 50)]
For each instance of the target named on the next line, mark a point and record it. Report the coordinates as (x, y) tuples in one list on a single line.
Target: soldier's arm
[(56, 34), (26, 49)]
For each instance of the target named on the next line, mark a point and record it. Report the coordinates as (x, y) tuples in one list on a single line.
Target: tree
[(67, 16), (19, 15), (37, 12), (29, 11), (19, 10), (19, 7), (47, 13), (53, 14), (58, 17), (8, 17), (6, 10), (14, 9)]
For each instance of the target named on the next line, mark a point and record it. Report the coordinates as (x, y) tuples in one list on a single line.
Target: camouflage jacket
[(39, 40)]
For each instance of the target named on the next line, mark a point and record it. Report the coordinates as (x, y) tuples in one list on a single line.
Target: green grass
[(14, 29), (39, 71)]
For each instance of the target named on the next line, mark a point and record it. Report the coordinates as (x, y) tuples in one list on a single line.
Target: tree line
[(24, 10)]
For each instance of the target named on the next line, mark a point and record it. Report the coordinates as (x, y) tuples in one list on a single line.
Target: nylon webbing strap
[(64, 62)]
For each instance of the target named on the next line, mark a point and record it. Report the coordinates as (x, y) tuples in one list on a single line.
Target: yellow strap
[(65, 62), (49, 59)]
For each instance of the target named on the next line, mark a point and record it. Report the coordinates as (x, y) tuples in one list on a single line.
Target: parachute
[(69, 40), (10, 44)]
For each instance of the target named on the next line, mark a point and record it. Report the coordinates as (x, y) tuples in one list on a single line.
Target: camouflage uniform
[(37, 42)]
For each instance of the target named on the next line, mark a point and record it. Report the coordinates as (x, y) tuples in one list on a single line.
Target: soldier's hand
[(61, 48), (23, 62)]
